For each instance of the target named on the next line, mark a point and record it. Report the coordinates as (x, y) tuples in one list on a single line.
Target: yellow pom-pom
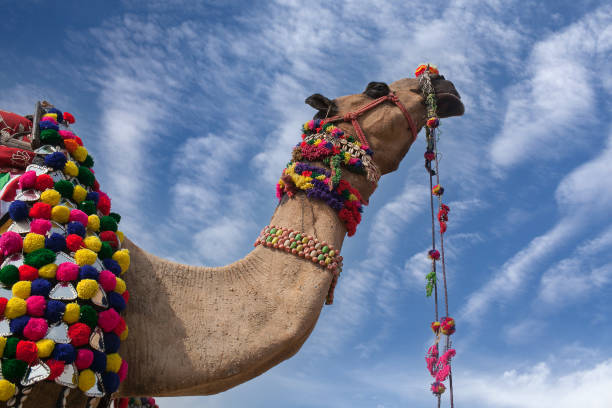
[(60, 213), (124, 335), (123, 259), (87, 379), (47, 271), (32, 242), (2, 344), (71, 169), (120, 287), (51, 197), (86, 288), (45, 347), (113, 362), (120, 236), (50, 115), (7, 390), (93, 222), (15, 307), (92, 242), (79, 194), (85, 257), (80, 153), (22, 289), (72, 313)]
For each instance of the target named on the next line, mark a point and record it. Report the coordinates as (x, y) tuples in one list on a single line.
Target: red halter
[(354, 116)]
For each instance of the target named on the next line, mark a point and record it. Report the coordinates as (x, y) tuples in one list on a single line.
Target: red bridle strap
[(354, 116)]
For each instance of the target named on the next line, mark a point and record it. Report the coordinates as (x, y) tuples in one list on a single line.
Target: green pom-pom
[(86, 177), (50, 136), (108, 223), (40, 257), (10, 349), (115, 216), (89, 316), (9, 275), (65, 188), (106, 251), (13, 369), (88, 162), (88, 207)]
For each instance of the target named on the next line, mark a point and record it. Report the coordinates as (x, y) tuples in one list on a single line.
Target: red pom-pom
[(27, 351), (40, 210), (74, 242), (110, 237), (120, 328), (27, 272), (56, 367), (43, 182), (126, 296), (78, 140), (104, 203), (68, 117), (79, 334), (96, 186), (3, 302)]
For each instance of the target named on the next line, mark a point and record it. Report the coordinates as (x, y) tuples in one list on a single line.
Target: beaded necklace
[(61, 291)]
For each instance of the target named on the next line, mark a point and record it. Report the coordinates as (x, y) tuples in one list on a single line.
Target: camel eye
[(376, 89)]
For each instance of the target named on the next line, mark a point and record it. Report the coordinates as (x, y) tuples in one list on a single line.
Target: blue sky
[(191, 109)]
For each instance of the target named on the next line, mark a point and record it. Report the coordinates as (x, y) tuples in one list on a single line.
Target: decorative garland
[(304, 246), (438, 366), (61, 287), (316, 181)]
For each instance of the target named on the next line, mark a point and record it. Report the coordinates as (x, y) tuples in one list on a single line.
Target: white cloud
[(547, 109)]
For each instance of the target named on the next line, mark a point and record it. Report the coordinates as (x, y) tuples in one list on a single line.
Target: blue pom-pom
[(56, 242), (99, 362), (112, 266), (88, 272), (64, 352), (40, 287), (60, 115), (77, 228), (18, 324), (55, 310), (116, 301), (93, 196), (56, 160), (47, 124), (18, 210), (111, 342), (111, 382)]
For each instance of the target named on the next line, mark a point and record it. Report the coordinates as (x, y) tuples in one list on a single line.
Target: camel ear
[(448, 99), (325, 106), (377, 89)]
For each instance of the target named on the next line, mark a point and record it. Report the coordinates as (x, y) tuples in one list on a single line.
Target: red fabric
[(15, 158), (56, 367), (12, 123)]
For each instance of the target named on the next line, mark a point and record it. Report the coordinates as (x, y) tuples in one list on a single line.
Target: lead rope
[(438, 366)]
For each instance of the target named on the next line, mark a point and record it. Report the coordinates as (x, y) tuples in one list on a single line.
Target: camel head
[(386, 129)]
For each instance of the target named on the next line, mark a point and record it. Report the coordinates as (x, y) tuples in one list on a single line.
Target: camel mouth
[(449, 104)]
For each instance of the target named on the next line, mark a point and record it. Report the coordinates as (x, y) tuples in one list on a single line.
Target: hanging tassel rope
[(439, 366)]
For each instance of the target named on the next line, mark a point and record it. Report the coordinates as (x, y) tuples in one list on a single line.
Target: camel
[(198, 330)]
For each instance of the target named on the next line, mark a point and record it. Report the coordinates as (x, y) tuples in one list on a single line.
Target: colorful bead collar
[(61, 291)]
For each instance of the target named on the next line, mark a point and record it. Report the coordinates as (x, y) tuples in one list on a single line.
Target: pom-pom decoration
[(447, 326), (424, 68), (437, 190), (438, 388), (433, 122), (62, 276), (433, 254)]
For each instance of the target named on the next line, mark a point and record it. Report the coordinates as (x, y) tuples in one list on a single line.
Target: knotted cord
[(439, 366)]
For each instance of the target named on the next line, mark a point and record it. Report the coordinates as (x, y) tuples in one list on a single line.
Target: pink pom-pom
[(151, 401), (84, 358), (108, 319), (123, 370), (67, 272), (40, 226), (79, 216), (27, 180), (10, 243), (49, 119), (36, 306), (35, 329), (66, 134), (107, 280)]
